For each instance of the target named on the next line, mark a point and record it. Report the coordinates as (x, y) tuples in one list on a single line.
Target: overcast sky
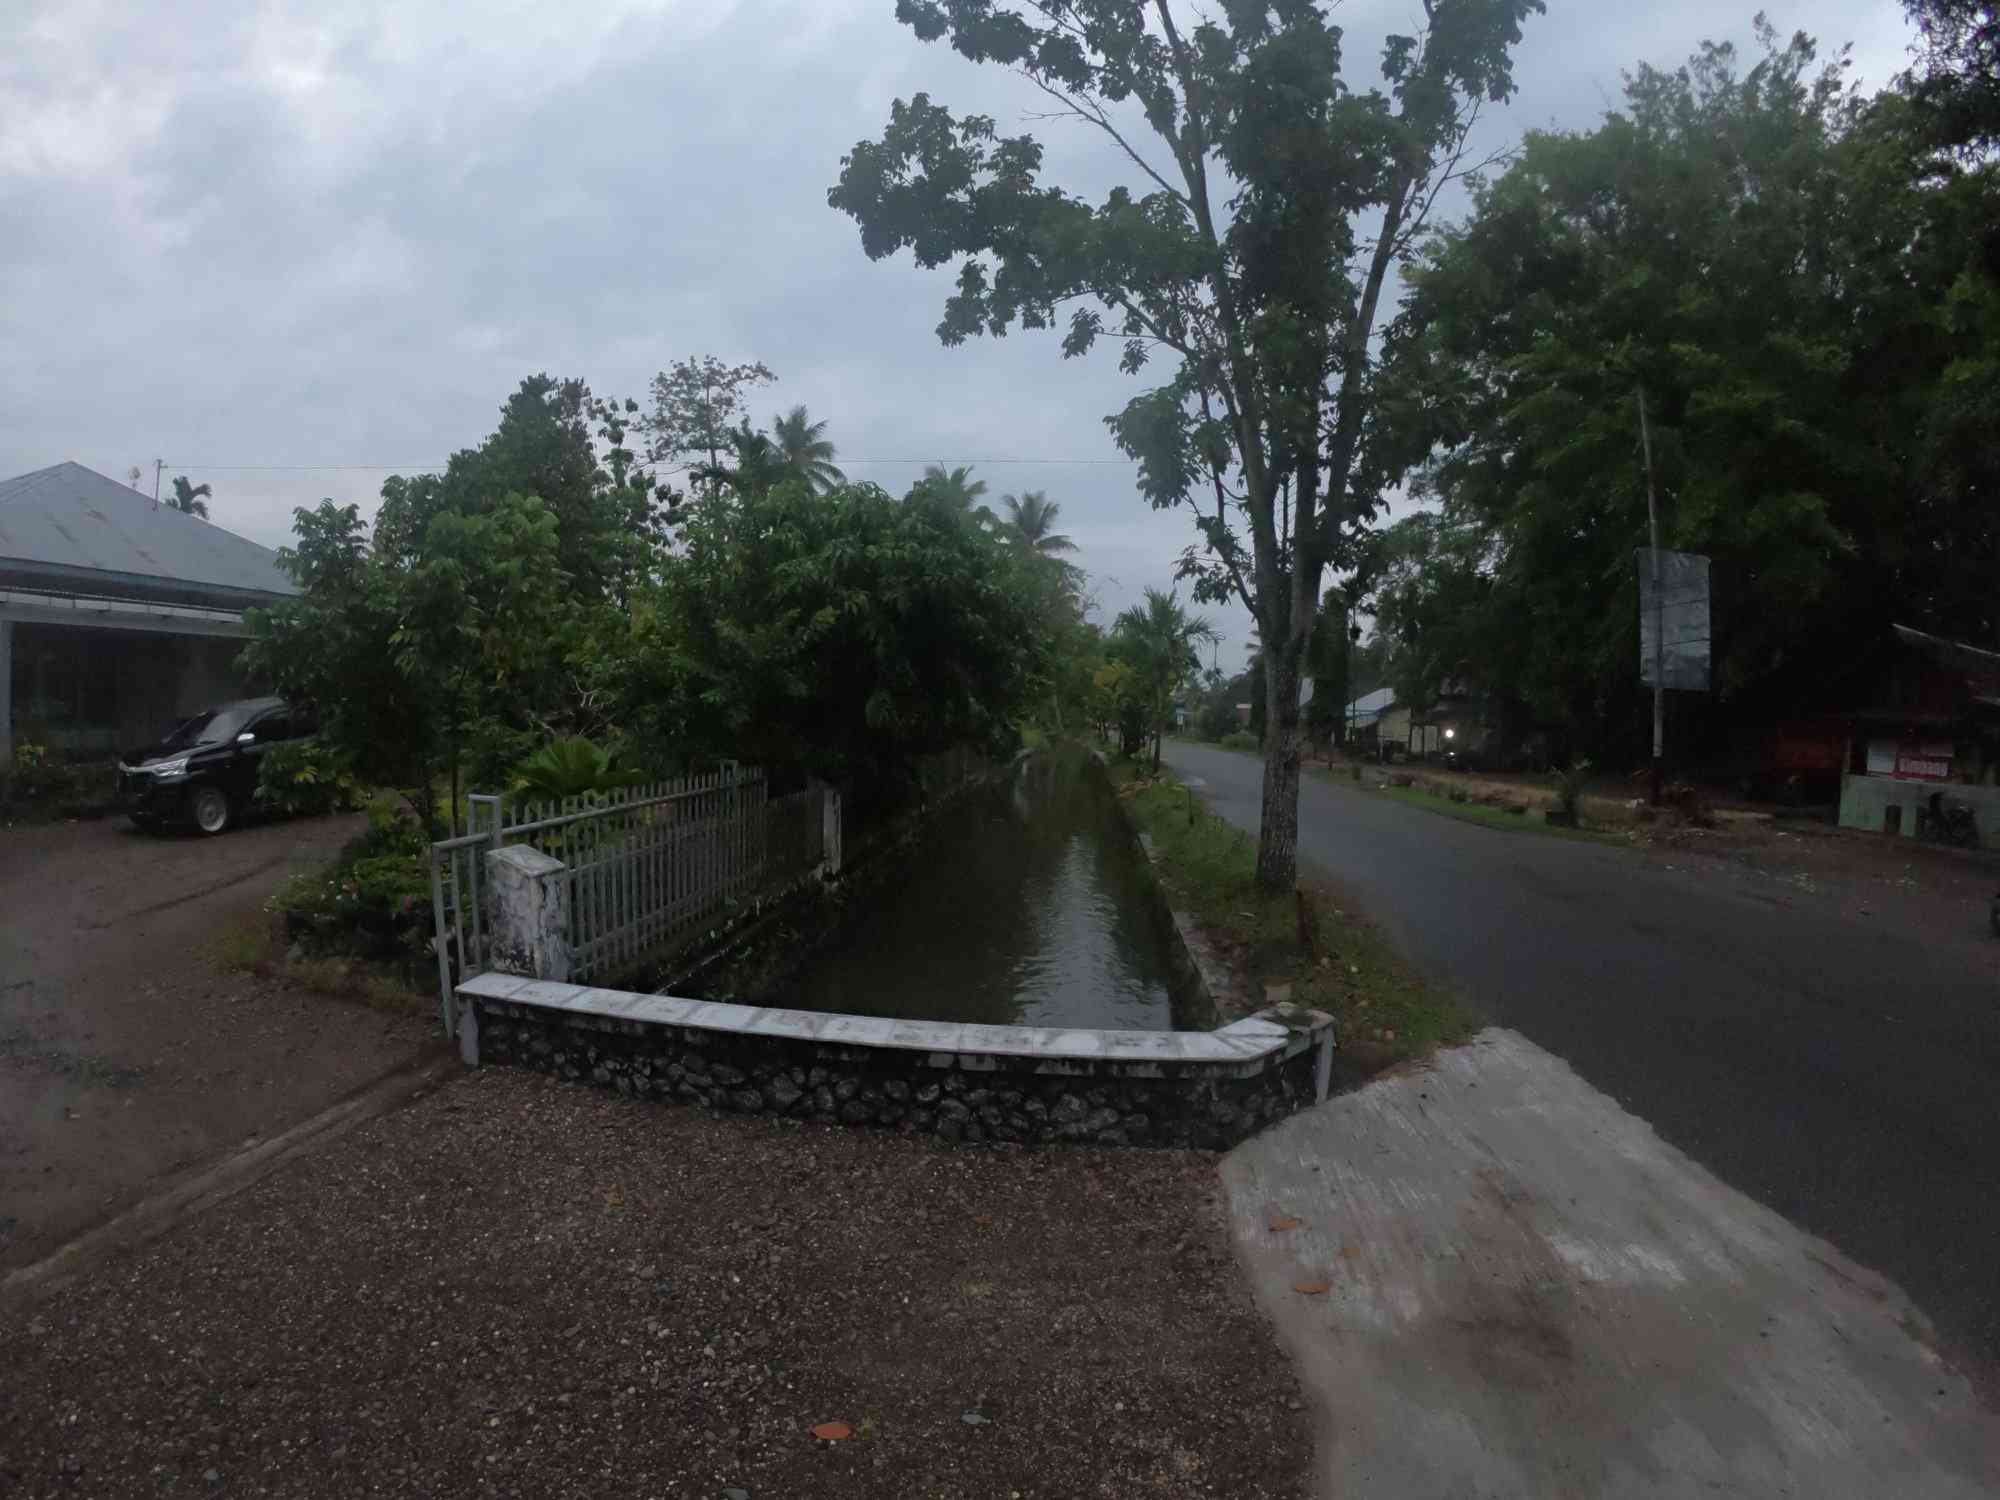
[(292, 248)]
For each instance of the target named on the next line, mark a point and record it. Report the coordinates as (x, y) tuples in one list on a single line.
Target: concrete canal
[(1024, 902)]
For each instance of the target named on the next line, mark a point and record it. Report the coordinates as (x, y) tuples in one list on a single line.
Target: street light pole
[(1659, 605)]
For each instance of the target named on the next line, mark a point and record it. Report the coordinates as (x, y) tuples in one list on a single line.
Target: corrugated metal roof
[(90, 531), (1961, 654), (1379, 701)]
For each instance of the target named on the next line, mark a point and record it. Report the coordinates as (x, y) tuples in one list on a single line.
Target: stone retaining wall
[(959, 1083)]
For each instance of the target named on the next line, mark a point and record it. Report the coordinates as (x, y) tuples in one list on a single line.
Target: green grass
[(242, 945), (1494, 817), (1384, 1012)]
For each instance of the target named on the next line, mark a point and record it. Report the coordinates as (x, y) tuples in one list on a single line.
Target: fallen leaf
[(974, 1419), (984, 1221), (833, 1432), (1312, 1288), (1278, 1226), (1348, 1252)]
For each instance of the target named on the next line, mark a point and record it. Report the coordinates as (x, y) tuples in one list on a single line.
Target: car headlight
[(169, 770)]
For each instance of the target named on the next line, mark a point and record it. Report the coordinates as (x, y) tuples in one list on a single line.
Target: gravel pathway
[(522, 1288)]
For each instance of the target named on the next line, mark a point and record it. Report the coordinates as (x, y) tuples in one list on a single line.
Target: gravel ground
[(128, 1050), (523, 1288)]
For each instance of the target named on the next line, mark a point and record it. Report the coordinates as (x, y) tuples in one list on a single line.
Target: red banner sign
[(1910, 760)]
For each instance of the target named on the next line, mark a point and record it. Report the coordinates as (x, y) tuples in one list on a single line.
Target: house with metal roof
[(118, 614)]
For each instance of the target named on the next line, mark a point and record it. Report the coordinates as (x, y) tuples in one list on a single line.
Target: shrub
[(1690, 802), (572, 767), (37, 783), (1569, 791), (391, 830), (306, 777), (1240, 740)]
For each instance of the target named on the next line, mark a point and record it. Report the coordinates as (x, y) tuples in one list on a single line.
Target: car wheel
[(210, 809)]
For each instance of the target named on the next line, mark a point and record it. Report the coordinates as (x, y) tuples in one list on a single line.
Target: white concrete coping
[(1244, 1047), (526, 858)]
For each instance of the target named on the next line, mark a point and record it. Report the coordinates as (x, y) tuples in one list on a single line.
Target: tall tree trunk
[(1278, 829)]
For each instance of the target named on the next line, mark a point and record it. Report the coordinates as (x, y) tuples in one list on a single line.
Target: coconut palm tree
[(187, 498), (803, 448), (1031, 520), (758, 463), (954, 490), (1159, 639)]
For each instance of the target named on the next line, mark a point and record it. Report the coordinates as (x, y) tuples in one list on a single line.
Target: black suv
[(205, 770)]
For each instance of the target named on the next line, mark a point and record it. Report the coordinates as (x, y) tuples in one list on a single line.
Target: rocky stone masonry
[(971, 1100)]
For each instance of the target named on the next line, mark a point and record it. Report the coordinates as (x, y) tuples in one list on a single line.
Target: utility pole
[(1659, 606), (158, 464)]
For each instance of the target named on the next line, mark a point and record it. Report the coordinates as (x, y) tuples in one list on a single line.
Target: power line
[(189, 466)]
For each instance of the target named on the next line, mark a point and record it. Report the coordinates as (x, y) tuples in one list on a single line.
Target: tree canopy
[(696, 404), (1156, 640), (535, 594), (844, 631), (805, 450), (1799, 288), (1267, 204), (547, 445), (1959, 82)]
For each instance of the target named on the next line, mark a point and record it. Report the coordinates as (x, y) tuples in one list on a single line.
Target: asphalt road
[(1841, 1072)]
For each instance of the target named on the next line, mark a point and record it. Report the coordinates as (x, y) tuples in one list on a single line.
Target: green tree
[(1158, 640), (1435, 610), (757, 464), (1802, 293), (1959, 86), (547, 445), (187, 498), (1271, 204), (804, 449), (953, 490), (1031, 522), (409, 656), (696, 404), (1332, 647), (844, 633)]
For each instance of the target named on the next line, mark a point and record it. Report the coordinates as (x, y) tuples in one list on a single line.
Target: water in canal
[(1024, 902)]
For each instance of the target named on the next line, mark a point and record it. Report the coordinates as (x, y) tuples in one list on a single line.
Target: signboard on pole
[(1673, 622)]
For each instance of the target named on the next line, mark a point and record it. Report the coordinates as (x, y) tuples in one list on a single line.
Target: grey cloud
[(344, 243)]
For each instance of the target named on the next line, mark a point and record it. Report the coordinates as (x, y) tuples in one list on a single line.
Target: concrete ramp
[(1526, 1293)]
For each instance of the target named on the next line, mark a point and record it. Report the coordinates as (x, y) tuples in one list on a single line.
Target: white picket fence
[(646, 869)]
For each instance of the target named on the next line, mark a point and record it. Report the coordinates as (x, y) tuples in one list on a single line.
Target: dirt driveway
[(128, 1051)]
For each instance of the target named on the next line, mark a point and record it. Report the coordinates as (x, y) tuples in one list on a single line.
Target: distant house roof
[(1371, 706), (1959, 654), (1973, 670), (70, 529)]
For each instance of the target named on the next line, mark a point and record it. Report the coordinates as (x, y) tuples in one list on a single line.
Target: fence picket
[(647, 868)]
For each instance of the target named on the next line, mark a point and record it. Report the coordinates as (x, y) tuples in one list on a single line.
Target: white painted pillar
[(6, 698), (529, 935), (830, 832)]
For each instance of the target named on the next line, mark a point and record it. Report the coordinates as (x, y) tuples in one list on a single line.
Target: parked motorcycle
[(1942, 823)]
